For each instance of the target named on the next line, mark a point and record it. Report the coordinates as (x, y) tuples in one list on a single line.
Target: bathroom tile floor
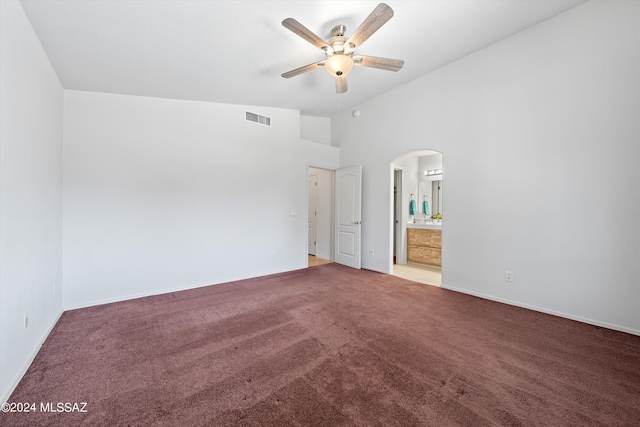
[(419, 273)]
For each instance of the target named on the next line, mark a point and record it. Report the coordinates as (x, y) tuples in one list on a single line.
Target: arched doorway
[(417, 237)]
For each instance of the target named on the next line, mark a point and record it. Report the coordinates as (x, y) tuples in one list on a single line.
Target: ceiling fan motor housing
[(338, 31), (337, 44), (339, 61)]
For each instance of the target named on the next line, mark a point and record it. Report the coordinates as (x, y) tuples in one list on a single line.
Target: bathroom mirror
[(433, 191), (436, 191), (430, 182)]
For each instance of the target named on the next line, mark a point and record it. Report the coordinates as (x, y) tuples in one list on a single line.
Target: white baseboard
[(547, 311), (377, 270), (94, 303), (6, 394)]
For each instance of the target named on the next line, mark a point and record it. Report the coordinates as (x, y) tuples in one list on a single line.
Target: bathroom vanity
[(424, 244)]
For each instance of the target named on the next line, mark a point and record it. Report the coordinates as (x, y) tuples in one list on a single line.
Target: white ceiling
[(234, 51)]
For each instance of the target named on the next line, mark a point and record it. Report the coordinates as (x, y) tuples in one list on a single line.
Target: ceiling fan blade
[(304, 32), (381, 63), (341, 84), (380, 15), (303, 69)]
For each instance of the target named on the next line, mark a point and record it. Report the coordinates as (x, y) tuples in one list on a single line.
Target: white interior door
[(312, 183), (348, 208)]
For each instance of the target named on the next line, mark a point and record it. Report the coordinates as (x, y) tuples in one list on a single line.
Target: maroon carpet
[(329, 346)]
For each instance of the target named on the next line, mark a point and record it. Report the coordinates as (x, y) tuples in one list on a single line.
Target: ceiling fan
[(340, 50)]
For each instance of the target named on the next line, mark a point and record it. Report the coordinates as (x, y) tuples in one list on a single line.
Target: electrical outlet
[(370, 251), (273, 254), (26, 320), (508, 276)]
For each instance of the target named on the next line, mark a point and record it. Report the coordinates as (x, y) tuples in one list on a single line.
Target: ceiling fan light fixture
[(339, 50), (339, 65)]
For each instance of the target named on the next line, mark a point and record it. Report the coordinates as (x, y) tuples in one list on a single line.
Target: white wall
[(30, 195), (316, 129), (554, 110), (163, 194)]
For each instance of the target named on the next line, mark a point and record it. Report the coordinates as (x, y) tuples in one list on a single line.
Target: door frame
[(398, 240), (331, 208), (312, 177)]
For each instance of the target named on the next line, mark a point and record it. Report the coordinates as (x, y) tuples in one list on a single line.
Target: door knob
[(357, 222)]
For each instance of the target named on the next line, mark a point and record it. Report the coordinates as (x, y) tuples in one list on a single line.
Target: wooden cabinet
[(424, 246)]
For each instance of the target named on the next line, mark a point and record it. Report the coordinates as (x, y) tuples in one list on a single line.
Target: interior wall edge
[(544, 310), (86, 304), (27, 363)]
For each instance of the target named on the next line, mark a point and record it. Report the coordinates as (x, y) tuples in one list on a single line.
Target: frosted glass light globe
[(339, 64)]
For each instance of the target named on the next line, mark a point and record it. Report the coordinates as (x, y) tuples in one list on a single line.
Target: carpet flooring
[(329, 346)]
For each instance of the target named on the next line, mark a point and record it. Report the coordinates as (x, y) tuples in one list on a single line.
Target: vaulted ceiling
[(235, 51)]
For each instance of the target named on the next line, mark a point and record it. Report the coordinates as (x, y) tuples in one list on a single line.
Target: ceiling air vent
[(257, 118)]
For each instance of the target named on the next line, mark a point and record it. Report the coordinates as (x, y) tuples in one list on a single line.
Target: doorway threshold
[(419, 273)]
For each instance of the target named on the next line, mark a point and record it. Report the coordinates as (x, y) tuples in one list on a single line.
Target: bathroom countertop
[(428, 226)]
